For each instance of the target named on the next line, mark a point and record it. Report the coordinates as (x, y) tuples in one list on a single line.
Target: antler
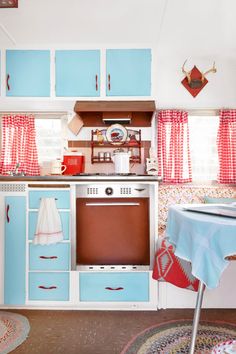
[(213, 70), (187, 73)]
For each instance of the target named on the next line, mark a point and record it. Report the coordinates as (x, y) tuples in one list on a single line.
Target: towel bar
[(54, 198)]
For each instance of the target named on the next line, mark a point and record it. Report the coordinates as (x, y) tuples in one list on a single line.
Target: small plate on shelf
[(116, 134)]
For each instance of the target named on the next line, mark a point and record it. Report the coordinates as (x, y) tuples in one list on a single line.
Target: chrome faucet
[(16, 168), (15, 172)]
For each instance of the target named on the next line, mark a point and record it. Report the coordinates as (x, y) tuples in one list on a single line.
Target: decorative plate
[(116, 134)]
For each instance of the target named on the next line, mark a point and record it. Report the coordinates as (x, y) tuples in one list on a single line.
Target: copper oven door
[(112, 231)]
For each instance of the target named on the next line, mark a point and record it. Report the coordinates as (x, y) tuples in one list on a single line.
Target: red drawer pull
[(7, 213), (109, 82), (8, 86), (114, 289), (48, 257), (47, 287), (96, 80)]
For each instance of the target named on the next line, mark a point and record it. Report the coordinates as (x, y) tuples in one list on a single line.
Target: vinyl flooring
[(97, 332)]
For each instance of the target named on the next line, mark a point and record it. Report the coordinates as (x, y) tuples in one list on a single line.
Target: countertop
[(97, 178)]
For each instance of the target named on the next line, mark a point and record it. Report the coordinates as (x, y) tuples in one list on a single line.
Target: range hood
[(114, 106), (99, 113)]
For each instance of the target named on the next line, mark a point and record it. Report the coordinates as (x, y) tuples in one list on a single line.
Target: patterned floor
[(97, 332), (175, 337)]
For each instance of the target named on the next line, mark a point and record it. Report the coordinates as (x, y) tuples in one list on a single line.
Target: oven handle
[(113, 204)]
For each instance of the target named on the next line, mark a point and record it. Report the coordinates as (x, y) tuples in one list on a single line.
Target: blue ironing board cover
[(204, 240)]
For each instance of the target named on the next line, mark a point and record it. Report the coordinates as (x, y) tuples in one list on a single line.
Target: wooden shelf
[(128, 145), (114, 146)]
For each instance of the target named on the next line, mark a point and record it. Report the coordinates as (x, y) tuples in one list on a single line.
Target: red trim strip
[(48, 233)]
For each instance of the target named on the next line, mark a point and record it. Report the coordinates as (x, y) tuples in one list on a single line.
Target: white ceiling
[(201, 30), (205, 26)]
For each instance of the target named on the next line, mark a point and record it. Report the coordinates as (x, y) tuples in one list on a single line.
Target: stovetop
[(116, 176)]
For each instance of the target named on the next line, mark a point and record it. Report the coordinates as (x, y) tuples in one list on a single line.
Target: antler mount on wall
[(195, 80)]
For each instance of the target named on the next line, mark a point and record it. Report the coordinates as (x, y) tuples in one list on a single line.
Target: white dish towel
[(49, 228)]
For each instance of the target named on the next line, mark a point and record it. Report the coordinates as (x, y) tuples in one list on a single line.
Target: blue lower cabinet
[(114, 286), (15, 249), (49, 286), (62, 198), (65, 221), (49, 257)]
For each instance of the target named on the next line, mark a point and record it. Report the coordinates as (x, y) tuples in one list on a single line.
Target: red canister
[(74, 162)]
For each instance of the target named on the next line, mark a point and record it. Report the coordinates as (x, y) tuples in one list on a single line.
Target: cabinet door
[(28, 73), (62, 198), (128, 72), (15, 238), (77, 73)]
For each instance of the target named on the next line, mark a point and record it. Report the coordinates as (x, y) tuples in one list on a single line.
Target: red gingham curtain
[(19, 145), (174, 164), (226, 144)]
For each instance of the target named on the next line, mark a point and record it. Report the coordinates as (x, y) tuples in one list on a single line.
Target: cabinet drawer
[(51, 257), (49, 286), (65, 221), (114, 286), (62, 198)]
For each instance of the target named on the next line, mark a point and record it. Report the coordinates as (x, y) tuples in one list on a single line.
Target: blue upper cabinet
[(128, 72), (77, 73), (28, 73)]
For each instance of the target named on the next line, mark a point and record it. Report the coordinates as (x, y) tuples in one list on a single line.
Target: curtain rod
[(197, 111), (203, 112), (51, 113)]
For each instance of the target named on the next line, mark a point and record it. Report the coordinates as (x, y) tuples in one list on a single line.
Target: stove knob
[(109, 191)]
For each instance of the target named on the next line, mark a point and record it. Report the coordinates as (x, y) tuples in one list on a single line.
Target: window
[(203, 147), (50, 138)]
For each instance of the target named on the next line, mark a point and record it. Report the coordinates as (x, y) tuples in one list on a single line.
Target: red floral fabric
[(19, 145), (172, 269), (174, 164), (226, 144)]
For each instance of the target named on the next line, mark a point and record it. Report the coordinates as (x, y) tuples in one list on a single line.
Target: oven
[(113, 226)]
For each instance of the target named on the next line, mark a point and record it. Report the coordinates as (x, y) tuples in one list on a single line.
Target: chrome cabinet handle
[(112, 204)]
